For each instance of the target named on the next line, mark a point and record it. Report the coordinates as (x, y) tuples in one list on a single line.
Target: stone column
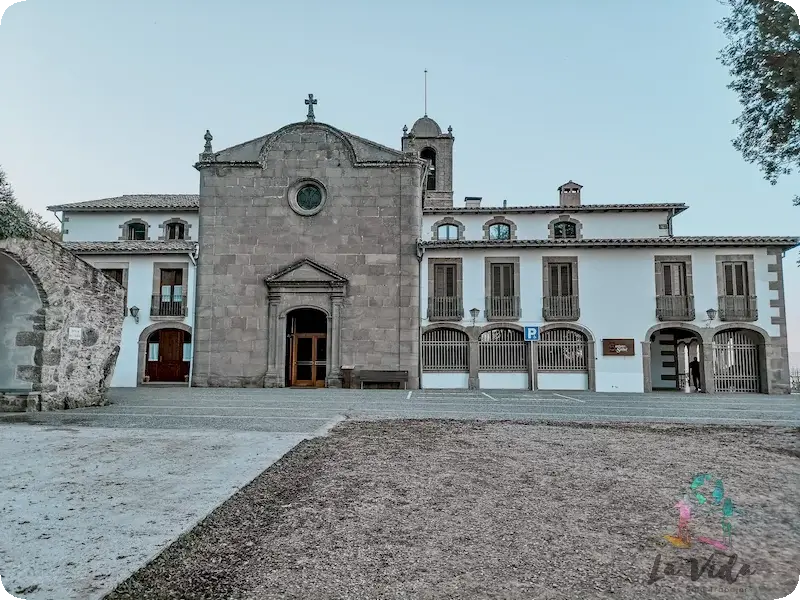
[(591, 364), (474, 380), (335, 371), (271, 378), (707, 370), (647, 370), (533, 365)]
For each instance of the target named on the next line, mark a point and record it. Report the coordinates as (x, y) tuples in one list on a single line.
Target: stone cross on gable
[(310, 102)]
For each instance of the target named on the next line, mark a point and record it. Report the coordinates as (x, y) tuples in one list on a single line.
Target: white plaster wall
[(563, 381), (432, 381), (140, 290), (104, 226), (503, 381), (617, 295), (534, 226)]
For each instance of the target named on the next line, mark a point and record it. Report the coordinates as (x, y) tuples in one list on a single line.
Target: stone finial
[(450, 130), (405, 130), (207, 151)]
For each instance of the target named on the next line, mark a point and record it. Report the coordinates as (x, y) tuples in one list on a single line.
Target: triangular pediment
[(306, 271)]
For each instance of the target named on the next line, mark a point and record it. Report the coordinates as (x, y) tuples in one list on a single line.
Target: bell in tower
[(426, 140)]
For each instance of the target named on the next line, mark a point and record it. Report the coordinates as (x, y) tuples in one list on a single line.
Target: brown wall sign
[(622, 347)]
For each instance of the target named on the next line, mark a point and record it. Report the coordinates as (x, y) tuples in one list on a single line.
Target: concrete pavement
[(297, 410)]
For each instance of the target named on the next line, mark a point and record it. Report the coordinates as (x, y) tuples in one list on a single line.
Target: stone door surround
[(303, 284)]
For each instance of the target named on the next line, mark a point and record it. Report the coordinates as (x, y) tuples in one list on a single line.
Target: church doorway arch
[(306, 348)]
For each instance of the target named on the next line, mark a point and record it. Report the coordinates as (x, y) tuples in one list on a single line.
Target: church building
[(328, 222), (312, 257)]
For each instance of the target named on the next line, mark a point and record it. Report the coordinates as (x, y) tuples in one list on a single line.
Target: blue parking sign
[(531, 333)]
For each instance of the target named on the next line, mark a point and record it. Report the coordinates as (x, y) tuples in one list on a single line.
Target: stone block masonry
[(366, 233), (74, 331)]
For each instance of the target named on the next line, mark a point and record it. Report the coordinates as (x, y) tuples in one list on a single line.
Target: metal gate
[(736, 362)]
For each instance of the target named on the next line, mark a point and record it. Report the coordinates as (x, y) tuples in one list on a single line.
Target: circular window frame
[(295, 188)]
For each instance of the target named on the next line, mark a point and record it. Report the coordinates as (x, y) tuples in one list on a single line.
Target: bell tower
[(427, 141)]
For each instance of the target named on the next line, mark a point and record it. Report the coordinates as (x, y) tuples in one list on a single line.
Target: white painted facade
[(140, 288), (617, 290), (534, 226), (105, 226), (99, 236)]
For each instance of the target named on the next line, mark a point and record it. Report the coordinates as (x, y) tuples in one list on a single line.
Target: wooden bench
[(379, 377)]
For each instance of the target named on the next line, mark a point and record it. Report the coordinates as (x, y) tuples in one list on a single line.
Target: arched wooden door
[(168, 356)]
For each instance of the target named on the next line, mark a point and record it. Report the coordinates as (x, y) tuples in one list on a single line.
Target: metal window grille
[(736, 367), (562, 350), (445, 350), (502, 350)]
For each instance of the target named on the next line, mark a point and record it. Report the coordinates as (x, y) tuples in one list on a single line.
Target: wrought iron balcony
[(738, 308), (445, 308), (168, 306), (502, 307), (560, 308), (675, 308)]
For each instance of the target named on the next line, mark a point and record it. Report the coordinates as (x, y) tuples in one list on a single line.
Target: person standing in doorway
[(694, 371)]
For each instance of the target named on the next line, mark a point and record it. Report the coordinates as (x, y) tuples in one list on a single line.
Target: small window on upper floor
[(176, 231), (137, 231), (564, 230), (500, 231), (447, 232)]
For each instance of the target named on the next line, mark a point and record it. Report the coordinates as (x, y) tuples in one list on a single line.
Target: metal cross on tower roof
[(310, 102)]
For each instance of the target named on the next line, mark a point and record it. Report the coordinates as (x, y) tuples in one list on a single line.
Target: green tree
[(763, 55), (15, 221)]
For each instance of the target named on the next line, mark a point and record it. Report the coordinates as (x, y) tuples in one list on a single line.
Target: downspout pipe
[(193, 256)]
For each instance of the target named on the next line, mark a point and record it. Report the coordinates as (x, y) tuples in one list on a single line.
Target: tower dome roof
[(426, 127)]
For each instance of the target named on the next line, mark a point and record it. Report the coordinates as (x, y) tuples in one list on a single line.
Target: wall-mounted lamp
[(712, 314), (474, 312), (135, 313)]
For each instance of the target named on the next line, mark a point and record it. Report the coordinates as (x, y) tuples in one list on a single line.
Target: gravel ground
[(445, 509)]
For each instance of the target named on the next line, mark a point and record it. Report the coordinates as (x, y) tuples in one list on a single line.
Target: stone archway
[(739, 361), (22, 314), (144, 336), (668, 350), (589, 366)]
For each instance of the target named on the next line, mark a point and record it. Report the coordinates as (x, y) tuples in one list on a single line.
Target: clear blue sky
[(627, 98)]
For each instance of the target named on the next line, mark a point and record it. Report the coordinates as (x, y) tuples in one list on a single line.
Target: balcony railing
[(502, 307), (560, 308), (168, 306), (675, 308), (445, 307), (737, 308)]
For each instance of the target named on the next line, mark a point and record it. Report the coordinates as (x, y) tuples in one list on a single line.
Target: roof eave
[(675, 208)]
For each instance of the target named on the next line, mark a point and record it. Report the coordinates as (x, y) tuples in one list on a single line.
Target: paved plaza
[(304, 410), (90, 495)]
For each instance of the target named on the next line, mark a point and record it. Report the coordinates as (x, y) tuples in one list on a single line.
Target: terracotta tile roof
[(131, 247), (135, 202), (684, 241), (678, 208)]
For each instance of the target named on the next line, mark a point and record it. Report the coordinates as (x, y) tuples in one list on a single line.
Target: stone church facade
[(308, 260)]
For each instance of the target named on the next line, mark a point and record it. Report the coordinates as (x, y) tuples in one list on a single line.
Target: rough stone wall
[(67, 373), (366, 232)]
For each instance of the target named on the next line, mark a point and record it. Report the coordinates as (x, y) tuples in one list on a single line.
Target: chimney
[(569, 194), (473, 201)]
